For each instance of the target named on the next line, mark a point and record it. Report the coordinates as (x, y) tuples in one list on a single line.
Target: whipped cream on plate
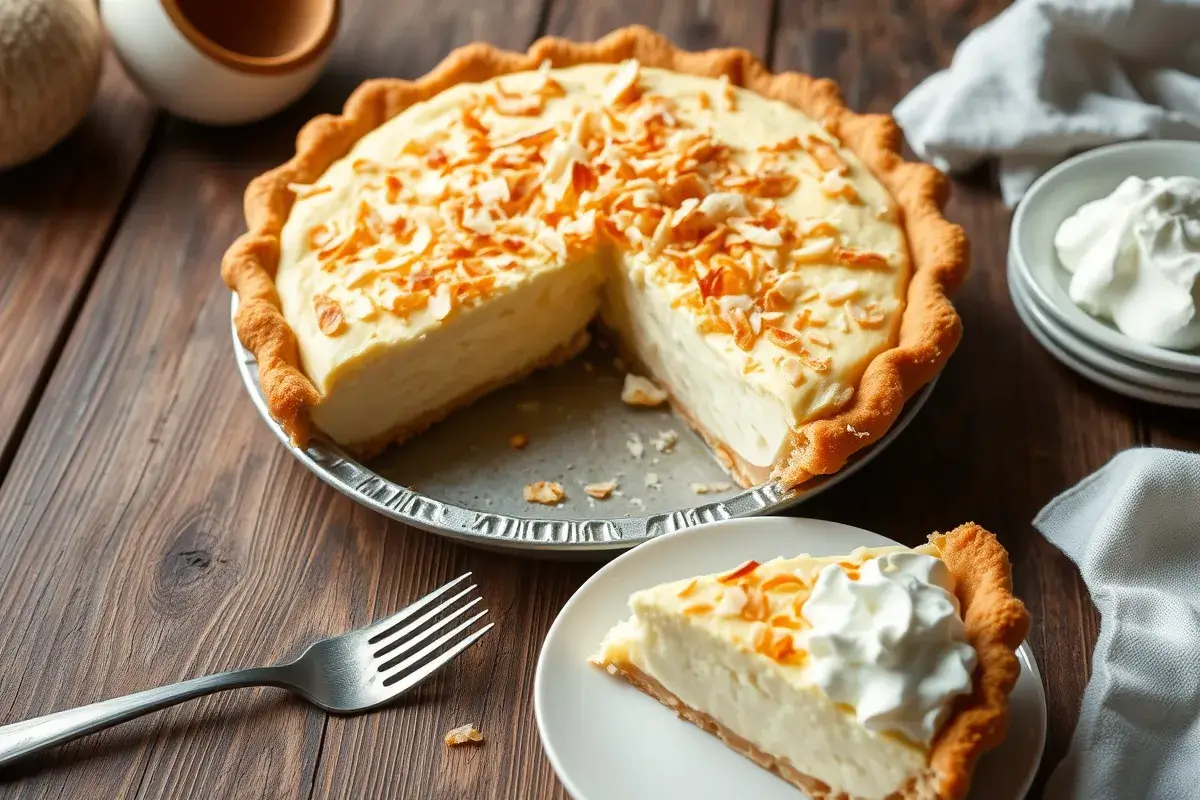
[(1135, 257), (890, 643)]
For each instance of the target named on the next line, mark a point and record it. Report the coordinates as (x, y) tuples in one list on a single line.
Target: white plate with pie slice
[(608, 741)]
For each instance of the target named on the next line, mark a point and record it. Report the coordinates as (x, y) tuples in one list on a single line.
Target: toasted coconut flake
[(720, 206), (785, 621), (687, 591), (547, 493), (329, 315), (869, 316), (839, 292), (793, 369), (463, 734), (834, 185), (601, 490), (783, 339), (825, 155), (622, 88), (759, 236), (698, 608), (639, 391), (442, 302), (848, 257), (785, 146), (732, 601), (756, 607), (857, 434), (818, 339), (727, 94), (816, 363), (812, 251), (741, 571), (743, 334), (783, 582)]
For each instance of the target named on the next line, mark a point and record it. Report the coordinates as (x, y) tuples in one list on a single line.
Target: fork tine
[(404, 683), (429, 649), (401, 646), (379, 628), (388, 641)]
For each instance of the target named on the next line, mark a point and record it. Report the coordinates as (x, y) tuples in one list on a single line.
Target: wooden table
[(152, 528)]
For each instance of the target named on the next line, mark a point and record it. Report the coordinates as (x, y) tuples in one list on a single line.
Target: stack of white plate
[(1038, 283)]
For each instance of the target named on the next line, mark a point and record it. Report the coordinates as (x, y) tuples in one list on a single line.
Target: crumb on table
[(463, 734)]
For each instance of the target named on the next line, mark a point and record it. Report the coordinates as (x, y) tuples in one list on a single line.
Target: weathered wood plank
[(55, 216)]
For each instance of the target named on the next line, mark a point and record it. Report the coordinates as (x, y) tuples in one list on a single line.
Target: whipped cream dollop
[(1135, 257), (891, 643)]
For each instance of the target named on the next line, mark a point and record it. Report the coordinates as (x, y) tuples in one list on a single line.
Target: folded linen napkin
[(1133, 528), (1047, 78)]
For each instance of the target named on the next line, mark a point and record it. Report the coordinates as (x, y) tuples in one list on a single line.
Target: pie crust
[(996, 624), (929, 330)]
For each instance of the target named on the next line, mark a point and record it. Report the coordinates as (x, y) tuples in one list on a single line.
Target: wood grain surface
[(56, 217), (152, 529)]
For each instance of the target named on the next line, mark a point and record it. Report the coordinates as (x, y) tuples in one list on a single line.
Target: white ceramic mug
[(222, 62)]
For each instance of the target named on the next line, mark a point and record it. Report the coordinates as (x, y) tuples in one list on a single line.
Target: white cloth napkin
[(1048, 78), (1133, 528)]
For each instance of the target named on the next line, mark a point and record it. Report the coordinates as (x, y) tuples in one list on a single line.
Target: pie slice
[(754, 247), (881, 675)]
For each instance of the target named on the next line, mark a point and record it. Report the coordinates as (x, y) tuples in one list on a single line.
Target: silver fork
[(354, 672)]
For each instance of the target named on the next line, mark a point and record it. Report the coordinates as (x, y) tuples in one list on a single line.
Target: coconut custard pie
[(880, 675), (757, 249)]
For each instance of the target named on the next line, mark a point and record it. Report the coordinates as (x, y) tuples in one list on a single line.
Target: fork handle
[(21, 739)]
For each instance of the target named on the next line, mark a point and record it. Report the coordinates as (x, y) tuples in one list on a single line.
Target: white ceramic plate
[(1056, 196), (608, 741), (1105, 379), (1095, 355)]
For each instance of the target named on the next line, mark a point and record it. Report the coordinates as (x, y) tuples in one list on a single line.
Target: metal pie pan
[(463, 479)]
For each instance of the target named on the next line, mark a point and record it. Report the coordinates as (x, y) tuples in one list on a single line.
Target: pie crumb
[(518, 441), (652, 481), (463, 734), (639, 391), (635, 446), (602, 490), (856, 432), (665, 441), (711, 488), (544, 492)]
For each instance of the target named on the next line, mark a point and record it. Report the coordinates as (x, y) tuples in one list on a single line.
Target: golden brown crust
[(930, 328), (997, 623)]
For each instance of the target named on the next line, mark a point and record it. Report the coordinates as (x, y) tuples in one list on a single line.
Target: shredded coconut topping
[(464, 208)]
